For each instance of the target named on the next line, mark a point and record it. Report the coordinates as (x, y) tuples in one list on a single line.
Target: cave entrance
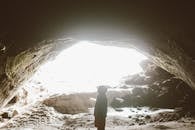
[(84, 66), (68, 85), (77, 71)]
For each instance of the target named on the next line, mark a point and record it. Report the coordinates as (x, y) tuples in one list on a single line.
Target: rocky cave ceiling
[(31, 33)]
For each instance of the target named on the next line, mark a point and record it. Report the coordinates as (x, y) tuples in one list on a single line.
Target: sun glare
[(85, 65)]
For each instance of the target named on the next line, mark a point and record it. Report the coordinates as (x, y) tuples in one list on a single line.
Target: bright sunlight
[(84, 66)]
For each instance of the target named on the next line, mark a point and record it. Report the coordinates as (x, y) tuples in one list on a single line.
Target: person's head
[(102, 89)]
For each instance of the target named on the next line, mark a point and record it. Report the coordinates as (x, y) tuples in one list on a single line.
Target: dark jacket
[(101, 106)]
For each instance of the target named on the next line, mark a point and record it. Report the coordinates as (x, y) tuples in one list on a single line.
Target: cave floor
[(167, 126), (41, 117)]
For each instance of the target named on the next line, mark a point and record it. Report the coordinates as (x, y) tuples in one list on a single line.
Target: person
[(100, 111)]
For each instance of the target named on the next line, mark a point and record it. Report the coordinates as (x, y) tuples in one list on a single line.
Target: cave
[(33, 33)]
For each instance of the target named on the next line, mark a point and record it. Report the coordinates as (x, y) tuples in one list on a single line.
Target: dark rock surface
[(162, 90), (5, 115)]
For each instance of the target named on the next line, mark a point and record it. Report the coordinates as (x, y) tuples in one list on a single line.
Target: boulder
[(14, 113), (5, 115), (70, 104)]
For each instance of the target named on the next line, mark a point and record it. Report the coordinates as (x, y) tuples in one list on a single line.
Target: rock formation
[(156, 87)]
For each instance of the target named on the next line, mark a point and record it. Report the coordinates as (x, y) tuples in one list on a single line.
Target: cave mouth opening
[(68, 84), (84, 66)]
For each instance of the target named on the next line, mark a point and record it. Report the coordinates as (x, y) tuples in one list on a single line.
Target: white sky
[(84, 66)]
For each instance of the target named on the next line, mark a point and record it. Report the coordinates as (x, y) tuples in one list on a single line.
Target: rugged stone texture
[(161, 30), (19, 67), (161, 89)]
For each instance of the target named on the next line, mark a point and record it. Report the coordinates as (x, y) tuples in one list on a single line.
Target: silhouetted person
[(100, 111)]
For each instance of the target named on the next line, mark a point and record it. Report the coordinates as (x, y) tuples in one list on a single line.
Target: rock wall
[(17, 68), (157, 88)]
